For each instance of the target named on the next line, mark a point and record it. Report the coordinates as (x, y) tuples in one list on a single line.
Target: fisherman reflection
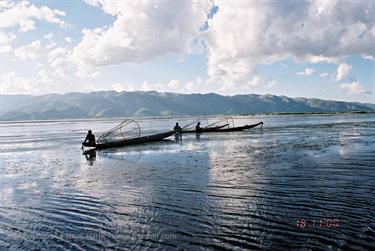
[(198, 136), (90, 156)]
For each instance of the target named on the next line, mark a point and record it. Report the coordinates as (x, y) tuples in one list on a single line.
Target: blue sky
[(318, 50)]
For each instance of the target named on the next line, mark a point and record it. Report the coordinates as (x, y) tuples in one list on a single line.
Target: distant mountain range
[(132, 104)]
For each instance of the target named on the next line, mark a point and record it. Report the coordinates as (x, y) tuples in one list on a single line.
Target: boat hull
[(230, 129), (211, 129), (240, 128), (135, 141)]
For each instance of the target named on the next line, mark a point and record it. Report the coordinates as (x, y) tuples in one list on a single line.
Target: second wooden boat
[(206, 129), (240, 128)]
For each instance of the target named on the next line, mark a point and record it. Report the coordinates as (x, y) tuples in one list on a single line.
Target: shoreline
[(184, 116)]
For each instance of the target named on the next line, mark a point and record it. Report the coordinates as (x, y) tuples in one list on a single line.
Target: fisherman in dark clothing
[(90, 138), (198, 128), (177, 128)]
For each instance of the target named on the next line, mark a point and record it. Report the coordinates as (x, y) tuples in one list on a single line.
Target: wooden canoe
[(133, 141), (240, 128), (208, 129)]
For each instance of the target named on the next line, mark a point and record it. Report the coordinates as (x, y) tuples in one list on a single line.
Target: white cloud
[(324, 75), (271, 84), (23, 14), (174, 84), (30, 51), (6, 40), (368, 57), (245, 33), (46, 80), (93, 2), (258, 81), (62, 66), (240, 35), (118, 87), (11, 83), (191, 86), (51, 45), (140, 31), (68, 39), (343, 71), (5, 4), (306, 72), (353, 87), (48, 36), (57, 53), (196, 85)]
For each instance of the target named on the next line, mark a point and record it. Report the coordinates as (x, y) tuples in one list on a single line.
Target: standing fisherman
[(177, 128), (198, 128)]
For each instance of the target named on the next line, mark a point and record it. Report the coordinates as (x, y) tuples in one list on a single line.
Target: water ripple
[(237, 191)]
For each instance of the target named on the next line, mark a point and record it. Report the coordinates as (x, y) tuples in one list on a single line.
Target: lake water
[(302, 183)]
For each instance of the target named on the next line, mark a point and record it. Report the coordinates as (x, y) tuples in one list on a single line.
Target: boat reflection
[(90, 156), (130, 154)]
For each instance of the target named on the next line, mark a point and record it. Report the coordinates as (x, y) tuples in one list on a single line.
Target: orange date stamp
[(323, 223)]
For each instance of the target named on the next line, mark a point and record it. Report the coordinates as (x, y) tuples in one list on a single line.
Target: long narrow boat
[(207, 129), (229, 129), (240, 128), (132, 141)]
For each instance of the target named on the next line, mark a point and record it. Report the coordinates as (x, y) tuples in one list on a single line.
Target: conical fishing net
[(191, 125), (220, 122), (127, 129)]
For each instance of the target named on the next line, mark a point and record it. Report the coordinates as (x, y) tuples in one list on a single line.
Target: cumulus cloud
[(259, 81), (4, 4), (246, 33), (236, 37), (56, 53), (343, 70), (353, 87), (30, 51), (174, 84), (6, 40), (118, 87), (306, 72), (256, 81), (141, 31), (195, 85), (23, 15), (93, 2), (11, 83)]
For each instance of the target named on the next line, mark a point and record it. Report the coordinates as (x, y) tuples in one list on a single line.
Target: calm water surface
[(302, 183)]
